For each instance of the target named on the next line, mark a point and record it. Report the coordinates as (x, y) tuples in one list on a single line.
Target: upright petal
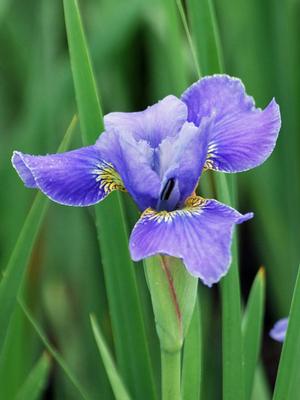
[(200, 234), (133, 160), (75, 178), (278, 331), (154, 124), (182, 158), (243, 136)]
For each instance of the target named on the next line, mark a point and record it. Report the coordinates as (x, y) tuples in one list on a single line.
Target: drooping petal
[(182, 157), (23, 171), (278, 331), (200, 234), (75, 178), (243, 136), (133, 160), (154, 124)]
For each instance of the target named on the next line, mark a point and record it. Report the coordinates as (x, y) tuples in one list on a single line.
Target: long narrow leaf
[(261, 389), (57, 357), (288, 376), (252, 329), (117, 385), (14, 272), (205, 33), (232, 345), (173, 47), (90, 114), (191, 382), (189, 37), (36, 381), (128, 327)]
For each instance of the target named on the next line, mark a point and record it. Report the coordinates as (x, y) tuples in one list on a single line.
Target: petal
[(200, 234), (23, 171), (76, 178), (243, 136), (133, 161), (278, 331), (182, 157), (163, 119)]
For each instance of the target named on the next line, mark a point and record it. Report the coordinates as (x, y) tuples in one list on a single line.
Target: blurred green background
[(136, 63)]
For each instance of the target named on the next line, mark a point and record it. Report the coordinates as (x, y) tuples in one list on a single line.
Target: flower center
[(167, 190), (169, 196)]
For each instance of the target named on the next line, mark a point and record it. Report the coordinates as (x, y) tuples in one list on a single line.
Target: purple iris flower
[(158, 155), (278, 331)]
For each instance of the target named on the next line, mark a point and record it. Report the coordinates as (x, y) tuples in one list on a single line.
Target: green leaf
[(288, 376), (232, 349), (189, 37), (173, 47), (261, 389), (57, 357), (173, 293), (192, 358), (252, 329), (167, 74), (205, 33), (117, 385), (131, 347), (15, 270), (36, 381), (90, 114)]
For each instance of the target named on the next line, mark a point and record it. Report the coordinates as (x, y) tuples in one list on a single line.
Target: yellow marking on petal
[(108, 177), (211, 152), (193, 206)]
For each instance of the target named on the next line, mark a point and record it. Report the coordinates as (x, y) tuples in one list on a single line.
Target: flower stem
[(170, 375)]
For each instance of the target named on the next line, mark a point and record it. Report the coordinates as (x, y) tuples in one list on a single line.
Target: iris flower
[(278, 332), (157, 156)]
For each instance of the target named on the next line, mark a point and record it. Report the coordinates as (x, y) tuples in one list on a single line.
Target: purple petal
[(200, 234), (23, 171), (154, 124), (278, 331), (133, 161), (182, 157), (76, 178), (243, 136)]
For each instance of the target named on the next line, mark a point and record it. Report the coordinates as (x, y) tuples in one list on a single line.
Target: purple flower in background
[(278, 331), (158, 155)]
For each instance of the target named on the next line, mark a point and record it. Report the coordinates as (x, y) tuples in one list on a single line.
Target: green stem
[(170, 375)]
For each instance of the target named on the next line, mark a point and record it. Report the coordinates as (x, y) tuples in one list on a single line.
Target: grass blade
[(36, 381), (173, 47), (189, 37), (205, 33), (287, 381), (232, 345), (117, 385), (128, 327), (90, 114), (57, 357), (14, 272), (261, 389), (192, 360), (252, 329)]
